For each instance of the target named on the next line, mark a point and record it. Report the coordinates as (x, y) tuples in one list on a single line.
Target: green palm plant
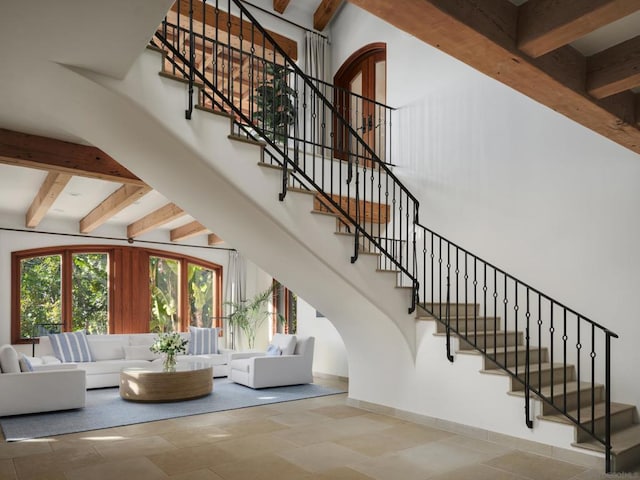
[(249, 315)]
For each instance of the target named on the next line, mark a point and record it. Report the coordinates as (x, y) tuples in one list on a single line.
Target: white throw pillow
[(9, 359), (203, 341), (139, 352), (25, 364), (286, 343)]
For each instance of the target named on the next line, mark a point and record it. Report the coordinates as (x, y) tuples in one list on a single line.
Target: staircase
[(583, 402)]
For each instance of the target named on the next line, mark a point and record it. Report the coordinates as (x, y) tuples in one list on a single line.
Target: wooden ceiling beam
[(237, 27), (280, 5), (214, 239), (324, 13), (615, 69), (155, 219), (186, 231), (545, 25), (114, 203), (482, 35), (43, 153), (50, 189)]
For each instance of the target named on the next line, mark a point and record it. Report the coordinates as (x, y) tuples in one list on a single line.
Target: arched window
[(102, 289), (364, 76)]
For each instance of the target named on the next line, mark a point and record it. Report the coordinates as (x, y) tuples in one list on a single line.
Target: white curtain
[(317, 66), (234, 292)]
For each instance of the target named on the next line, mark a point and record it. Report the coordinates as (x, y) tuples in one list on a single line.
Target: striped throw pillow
[(203, 341), (71, 346)]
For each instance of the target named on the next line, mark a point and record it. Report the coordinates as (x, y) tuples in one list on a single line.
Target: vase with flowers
[(169, 345)]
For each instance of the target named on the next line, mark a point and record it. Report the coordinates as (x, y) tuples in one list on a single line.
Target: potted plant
[(275, 103), (249, 315)]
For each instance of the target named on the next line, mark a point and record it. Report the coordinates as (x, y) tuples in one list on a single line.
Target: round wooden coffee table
[(190, 380)]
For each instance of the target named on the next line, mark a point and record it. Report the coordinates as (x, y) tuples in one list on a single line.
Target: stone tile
[(23, 449), (254, 445), (296, 418), (439, 457), (477, 472), (392, 467), (35, 466), (342, 473), (262, 467), (7, 472), (149, 428), (196, 436), (310, 434), (128, 469), (535, 467), (183, 460), (204, 474), (338, 411), (477, 444), (252, 427), (254, 413), (134, 447), (322, 456)]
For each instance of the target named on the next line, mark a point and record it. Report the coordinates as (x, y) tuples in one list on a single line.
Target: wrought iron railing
[(316, 140)]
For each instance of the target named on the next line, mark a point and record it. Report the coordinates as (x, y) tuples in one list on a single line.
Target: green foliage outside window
[(90, 298), (40, 292), (163, 283), (201, 291)]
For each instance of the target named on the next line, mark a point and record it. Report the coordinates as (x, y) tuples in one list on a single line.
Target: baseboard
[(589, 460)]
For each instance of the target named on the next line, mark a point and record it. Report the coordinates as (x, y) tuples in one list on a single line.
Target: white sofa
[(60, 387), (112, 353), (259, 370)]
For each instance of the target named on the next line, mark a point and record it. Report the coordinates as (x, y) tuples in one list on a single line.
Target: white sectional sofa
[(57, 387), (112, 353)]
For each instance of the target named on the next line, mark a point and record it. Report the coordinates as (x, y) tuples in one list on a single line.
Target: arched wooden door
[(363, 78)]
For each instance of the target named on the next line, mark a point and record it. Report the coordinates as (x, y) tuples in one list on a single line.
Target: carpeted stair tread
[(621, 441), (480, 333), (585, 413)]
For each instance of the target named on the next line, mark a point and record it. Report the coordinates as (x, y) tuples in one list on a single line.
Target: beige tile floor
[(318, 438)]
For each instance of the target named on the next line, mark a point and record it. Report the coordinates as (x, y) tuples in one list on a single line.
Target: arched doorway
[(362, 79)]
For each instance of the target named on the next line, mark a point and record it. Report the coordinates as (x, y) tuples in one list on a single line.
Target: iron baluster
[(527, 372)]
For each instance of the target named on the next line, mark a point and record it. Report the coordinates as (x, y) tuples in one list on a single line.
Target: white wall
[(514, 182), (330, 355)]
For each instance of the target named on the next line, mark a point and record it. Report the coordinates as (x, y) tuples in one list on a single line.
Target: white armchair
[(261, 370)]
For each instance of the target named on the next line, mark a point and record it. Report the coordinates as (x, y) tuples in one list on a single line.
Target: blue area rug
[(105, 409)]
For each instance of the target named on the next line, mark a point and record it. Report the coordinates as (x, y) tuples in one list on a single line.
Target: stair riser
[(490, 341), (480, 324), (534, 356), (627, 461), (544, 379), (619, 421), (571, 399), (454, 309)]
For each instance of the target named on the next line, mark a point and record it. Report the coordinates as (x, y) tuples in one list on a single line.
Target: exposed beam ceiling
[(214, 239), (484, 35), (615, 69), (545, 25), (324, 13), (155, 219), (44, 153), (280, 5), (52, 186), (117, 201), (187, 231)]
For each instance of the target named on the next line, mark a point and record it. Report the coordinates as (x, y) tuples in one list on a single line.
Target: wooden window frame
[(128, 282)]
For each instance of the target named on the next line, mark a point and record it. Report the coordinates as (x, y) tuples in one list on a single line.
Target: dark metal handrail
[(365, 195)]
